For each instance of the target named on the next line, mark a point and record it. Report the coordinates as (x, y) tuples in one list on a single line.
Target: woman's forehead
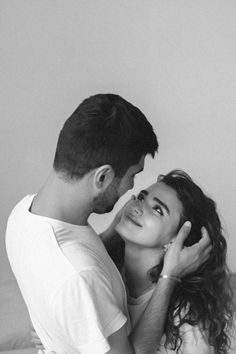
[(164, 192), (158, 187)]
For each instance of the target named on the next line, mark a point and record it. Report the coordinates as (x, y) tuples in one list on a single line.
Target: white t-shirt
[(193, 340), (74, 293)]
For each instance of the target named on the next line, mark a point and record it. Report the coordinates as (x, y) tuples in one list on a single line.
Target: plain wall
[(175, 60)]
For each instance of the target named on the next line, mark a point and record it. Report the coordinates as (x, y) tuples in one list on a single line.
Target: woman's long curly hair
[(203, 298)]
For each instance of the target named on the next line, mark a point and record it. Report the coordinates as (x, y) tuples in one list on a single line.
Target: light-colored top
[(74, 293), (193, 340)]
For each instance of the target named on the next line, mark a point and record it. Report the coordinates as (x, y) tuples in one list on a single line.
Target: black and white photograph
[(118, 165)]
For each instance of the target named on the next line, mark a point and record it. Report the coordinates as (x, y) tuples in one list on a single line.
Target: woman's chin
[(119, 229)]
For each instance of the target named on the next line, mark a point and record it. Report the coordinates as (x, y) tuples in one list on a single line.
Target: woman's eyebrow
[(157, 200)]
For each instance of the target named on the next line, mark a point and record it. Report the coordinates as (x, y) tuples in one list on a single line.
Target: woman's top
[(194, 341)]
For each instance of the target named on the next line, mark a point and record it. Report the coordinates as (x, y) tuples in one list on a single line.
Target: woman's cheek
[(151, 222), (152, 226)]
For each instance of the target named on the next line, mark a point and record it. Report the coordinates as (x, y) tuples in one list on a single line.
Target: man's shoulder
[(85, 259), (22, 206), (19, 221)]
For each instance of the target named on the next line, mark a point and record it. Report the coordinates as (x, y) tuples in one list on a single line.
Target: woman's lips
[(133, 220)]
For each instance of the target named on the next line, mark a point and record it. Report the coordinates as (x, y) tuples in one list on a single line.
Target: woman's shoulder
[(194, 341), (194, 337)]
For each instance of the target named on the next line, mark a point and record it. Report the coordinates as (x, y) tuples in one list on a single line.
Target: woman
[(200, 313)]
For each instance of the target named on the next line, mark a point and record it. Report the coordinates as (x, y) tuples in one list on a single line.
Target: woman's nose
[(137, 209)]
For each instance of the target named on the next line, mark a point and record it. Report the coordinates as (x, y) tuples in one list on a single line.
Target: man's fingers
[(39, 347), (120, 212), (33, 334), (36, 341), (183, 233), (132, 198)]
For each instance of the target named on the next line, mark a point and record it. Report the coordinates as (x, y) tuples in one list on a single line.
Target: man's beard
[(104, 203)]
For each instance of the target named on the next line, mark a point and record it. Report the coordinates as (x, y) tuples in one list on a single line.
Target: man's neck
[(138, 262), (63, 200)]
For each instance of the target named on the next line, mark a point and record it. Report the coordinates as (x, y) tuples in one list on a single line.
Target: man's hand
[(35, 339), (179, 260), (111, 233)]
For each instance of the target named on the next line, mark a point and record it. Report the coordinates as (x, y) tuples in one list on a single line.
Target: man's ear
[(103, 176)]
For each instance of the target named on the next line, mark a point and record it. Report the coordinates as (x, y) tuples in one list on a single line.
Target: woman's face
[(152, 219)]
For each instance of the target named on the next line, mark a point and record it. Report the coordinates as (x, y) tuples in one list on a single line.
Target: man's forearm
[(147, 334)]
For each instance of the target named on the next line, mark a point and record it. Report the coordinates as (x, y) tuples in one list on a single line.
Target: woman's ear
[(103, 176)]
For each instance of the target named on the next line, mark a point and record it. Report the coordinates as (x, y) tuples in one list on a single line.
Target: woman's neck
[(137, 262)]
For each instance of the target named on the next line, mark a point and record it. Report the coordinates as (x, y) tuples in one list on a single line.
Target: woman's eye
[(158, 209)]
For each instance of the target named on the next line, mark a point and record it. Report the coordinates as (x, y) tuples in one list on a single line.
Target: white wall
[(176, 60)]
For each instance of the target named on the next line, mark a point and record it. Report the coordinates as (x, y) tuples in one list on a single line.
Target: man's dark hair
[(104, 129)]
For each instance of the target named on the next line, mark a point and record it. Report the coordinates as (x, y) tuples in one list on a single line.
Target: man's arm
[(120, 343), (179, 261)]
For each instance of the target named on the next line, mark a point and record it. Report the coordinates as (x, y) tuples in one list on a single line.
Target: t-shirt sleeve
[(87, 312)]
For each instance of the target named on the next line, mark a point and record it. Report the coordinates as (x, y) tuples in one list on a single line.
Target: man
[(74, 293)]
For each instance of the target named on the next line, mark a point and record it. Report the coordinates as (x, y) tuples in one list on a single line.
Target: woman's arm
[(179, 261)]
